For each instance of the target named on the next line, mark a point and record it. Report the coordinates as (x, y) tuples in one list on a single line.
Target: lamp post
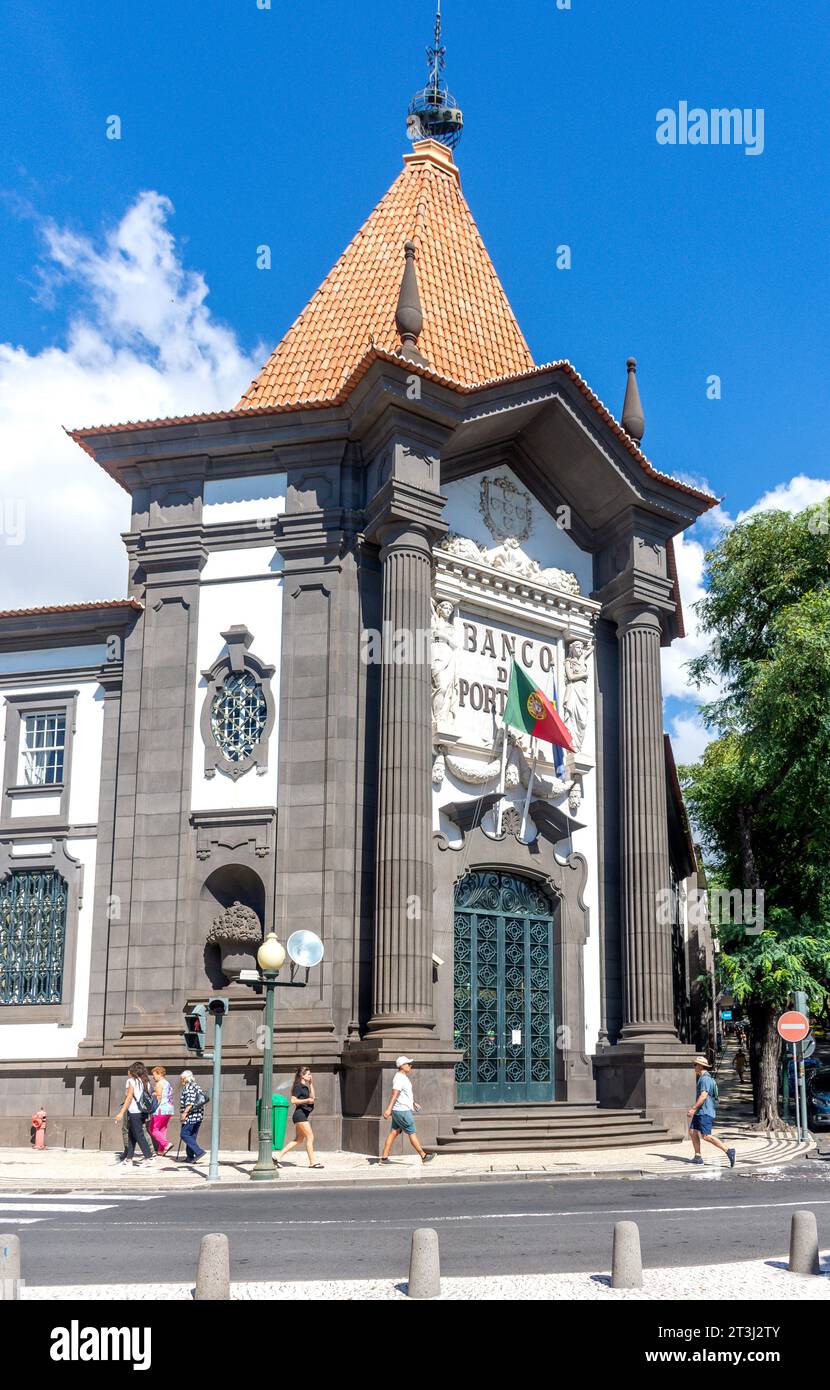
[(270, 959)]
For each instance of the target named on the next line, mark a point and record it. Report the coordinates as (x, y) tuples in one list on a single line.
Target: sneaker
[(698, 1160), (427, 1158), (731, 1155)]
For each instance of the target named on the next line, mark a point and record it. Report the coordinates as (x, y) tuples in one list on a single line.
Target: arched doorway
[(503, 989)]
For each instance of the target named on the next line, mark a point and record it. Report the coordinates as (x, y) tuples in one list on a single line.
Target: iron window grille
[(238, 717), (33, 912), (43, 750), (239, 711)]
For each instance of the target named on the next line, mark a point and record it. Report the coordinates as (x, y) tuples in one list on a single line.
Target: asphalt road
[(520, 1227)]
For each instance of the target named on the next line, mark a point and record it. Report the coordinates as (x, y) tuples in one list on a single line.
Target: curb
[(430, 1179)]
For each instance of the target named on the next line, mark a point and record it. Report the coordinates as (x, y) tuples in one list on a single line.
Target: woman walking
[(138, 1104), (302, 1098), (163, 1092)]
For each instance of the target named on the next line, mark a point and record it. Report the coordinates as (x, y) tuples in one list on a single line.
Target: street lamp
[(270, 959)]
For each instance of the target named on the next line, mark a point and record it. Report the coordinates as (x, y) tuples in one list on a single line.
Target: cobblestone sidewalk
[(71, 1170), (762, 1280)]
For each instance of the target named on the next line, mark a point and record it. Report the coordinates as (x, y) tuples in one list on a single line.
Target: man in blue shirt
[(702, 1113)]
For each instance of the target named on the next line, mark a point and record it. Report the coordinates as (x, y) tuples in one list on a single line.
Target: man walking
[(702, 1113), (192, 1106), (740, 1064), (401, 1111)]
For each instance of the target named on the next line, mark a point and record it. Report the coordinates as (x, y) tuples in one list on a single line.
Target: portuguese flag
[(528, 709)]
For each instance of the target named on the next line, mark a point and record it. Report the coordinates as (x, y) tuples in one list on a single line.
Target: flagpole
[(500, 806), (529, 789)]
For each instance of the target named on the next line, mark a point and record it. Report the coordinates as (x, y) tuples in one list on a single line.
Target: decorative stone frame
[(564, 883), (17, 708), (72, 872), (237, 660)]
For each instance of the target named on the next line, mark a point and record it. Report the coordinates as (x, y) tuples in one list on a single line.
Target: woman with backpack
[(163, 1092), (192, 1102), (139, 1104)]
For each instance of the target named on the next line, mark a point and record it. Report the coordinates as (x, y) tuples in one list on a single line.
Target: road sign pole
[(213, 1169), (797, 1106), (802, 1088)]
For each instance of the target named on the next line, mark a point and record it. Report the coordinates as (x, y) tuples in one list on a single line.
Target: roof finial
[(633, 421), (409, 317), (433, 113)]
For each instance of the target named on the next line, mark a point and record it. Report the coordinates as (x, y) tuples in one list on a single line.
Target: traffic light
[(195, 1028), (218, 1005)]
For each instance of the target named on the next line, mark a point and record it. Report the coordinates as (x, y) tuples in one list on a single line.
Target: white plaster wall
[(551, 546), (43, 1041), (244, 499), (547, 542), (85, 770), (52, 659), (246, 592)]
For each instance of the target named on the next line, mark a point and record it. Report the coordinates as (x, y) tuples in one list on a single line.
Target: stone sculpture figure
[(575, 706), (444, 665)]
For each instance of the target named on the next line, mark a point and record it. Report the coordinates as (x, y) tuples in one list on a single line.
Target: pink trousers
[(158, 1130)]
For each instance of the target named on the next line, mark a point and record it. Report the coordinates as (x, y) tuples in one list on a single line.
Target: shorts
[(403, 1120), (702, 1123)]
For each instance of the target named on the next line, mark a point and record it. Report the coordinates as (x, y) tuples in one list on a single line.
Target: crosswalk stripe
[(22, 1220), (52, 1207), (80, 1196)]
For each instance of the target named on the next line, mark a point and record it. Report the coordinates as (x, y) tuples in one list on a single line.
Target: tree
[(761, 794), (761, 971)]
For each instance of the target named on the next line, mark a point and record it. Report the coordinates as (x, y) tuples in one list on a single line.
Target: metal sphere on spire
[(434, 114)]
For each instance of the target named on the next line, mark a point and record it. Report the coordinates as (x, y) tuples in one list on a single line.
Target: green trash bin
[(279, 1117)]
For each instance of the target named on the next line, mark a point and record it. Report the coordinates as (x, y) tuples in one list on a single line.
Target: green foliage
[(791, 953), (761, 794), (757, 570)]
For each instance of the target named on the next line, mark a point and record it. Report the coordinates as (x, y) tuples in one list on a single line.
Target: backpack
[(147, 1102), (714, 1094)]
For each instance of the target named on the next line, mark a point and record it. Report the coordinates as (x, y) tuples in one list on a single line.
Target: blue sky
[(285, 126)]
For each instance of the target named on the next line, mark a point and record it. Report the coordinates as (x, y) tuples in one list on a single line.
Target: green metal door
[(503, 990)]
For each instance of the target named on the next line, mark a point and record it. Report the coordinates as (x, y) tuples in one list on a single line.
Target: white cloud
[(689, 738), (794, 496), (142, 345)]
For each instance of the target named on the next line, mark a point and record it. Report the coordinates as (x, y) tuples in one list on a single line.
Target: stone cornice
[(496, 592)]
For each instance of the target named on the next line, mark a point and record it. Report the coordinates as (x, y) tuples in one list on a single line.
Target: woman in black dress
[(302, 1098)]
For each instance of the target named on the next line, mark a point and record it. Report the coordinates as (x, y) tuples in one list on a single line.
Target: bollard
[(424, 1265), (213, 1272), (626, 1262), (804, 1257), (9, 1268)]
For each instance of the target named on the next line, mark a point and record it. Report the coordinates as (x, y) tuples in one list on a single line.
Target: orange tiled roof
[(470, 333), (72, 608)]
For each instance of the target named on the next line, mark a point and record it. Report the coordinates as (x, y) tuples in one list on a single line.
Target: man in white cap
[(702, 1113), (401, 1110)]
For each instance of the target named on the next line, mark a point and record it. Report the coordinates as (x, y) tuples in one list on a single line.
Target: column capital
[(399, 507)]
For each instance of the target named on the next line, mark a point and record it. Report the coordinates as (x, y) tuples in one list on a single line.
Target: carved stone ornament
[(238, 712), (509, 557), (576, 702), (236, 926), (445, 645), (506, 508)]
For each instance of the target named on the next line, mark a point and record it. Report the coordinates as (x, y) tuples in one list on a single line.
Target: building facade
[(294, 720)]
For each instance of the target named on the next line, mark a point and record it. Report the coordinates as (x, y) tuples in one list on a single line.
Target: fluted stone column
[(402, 981), (648, 1001)]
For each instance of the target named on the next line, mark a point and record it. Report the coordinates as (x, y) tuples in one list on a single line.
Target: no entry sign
[(793, 1027)]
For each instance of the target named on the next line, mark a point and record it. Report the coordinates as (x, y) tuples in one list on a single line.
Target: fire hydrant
[(39, 1127)]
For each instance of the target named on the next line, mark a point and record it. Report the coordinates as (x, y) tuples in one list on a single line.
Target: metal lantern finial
[(434, 114)]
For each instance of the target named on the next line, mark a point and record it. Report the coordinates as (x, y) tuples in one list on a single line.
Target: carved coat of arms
[(506, 508)]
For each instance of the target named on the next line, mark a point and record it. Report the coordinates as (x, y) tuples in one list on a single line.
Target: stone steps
[(515, 1128)]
